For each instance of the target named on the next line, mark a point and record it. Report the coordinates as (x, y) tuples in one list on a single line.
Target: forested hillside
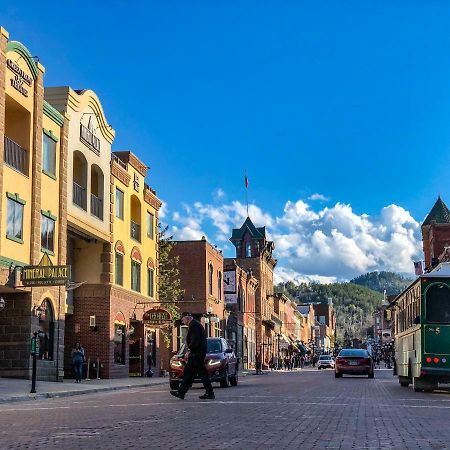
[(379, 281)]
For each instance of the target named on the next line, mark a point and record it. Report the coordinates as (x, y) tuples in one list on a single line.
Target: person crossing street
[(196, 344)]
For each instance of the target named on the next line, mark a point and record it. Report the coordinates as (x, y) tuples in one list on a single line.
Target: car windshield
[(214, 346), (355, 352), (325, 357)]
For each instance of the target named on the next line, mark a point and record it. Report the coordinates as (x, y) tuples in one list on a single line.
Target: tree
[(170, 290)]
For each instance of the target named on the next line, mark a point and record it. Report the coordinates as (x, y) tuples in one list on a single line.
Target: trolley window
[(438, 304)]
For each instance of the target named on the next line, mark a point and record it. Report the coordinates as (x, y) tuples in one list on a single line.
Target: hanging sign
[(45, 274), (229, 281), (156, 316)]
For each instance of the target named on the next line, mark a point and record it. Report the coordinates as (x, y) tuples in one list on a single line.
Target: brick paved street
[(308, 409)]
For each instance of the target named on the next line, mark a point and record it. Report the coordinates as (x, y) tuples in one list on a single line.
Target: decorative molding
[(152, 199), (18, 47), (53, 114), (150, 263), (120, 173), (16, 198), (49, 133), (48, 214), (136, 255), (119, 248)]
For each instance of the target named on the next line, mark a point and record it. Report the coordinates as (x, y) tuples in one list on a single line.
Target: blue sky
[(350, 100)]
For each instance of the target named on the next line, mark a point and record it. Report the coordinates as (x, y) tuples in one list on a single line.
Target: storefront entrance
[(136, 349)]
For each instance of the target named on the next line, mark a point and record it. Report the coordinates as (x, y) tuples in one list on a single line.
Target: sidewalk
[(13, 390)]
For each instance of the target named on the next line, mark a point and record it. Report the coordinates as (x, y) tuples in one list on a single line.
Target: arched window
[(219, 287), (46, 330), (80, 174), (210, 278), (135, 218), (243, 300), (248, 250), (97, 182)]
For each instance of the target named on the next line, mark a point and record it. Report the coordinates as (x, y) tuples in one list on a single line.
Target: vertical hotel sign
[(229, 284), (45, 274), (20, 78)]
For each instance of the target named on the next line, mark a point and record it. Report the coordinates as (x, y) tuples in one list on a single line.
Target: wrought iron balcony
[(15, 156), (97, 206), (135, 231), (79, 195)]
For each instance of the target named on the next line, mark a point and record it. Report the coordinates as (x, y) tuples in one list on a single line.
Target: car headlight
[(214, 362), (176, 364)]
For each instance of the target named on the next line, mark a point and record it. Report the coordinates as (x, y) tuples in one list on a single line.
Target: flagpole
[(246, 189)]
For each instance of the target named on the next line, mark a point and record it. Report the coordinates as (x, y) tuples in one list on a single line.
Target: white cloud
[(219, 194), (328, 244), (318, 197)]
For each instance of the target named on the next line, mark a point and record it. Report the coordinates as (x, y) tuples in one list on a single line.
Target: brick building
[(254, 252), (33, 154), (240, 290), (201, 275), (326, 320), (436, 234)]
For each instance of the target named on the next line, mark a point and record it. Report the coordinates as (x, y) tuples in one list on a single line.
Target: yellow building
[(112, 241), (33, 191)]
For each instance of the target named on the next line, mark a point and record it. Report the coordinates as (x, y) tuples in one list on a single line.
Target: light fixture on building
[(38, 311), (2, 303), (130, 330)]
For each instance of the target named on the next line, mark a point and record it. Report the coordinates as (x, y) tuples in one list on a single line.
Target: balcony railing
[(135, 231), (15, 156), (79, 195), (97, 206)]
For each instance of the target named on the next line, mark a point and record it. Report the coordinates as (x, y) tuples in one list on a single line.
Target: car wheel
[(234, 380), (224, 380), (337, 375), (174, 385), (404, 381), (371, 375), (319, 368)]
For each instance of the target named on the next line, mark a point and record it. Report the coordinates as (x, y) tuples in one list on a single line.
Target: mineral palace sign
[(45, 274), (20, 78), (156, 316)]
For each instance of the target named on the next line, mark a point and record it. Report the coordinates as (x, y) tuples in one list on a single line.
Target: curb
[(62, 394)]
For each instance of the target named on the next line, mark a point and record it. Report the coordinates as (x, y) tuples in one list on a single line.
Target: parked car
[(221, 364), (354, 361), (325, 361)]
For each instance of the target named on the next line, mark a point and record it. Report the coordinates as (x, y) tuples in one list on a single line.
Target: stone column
[(36, 167), (3, 42)]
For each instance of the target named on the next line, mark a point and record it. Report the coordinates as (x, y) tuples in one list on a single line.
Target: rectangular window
[(150, 225), (49, 155), (14, 227), (47, 233), (135, 276), (119, 269), (119, 203), (151, 283)]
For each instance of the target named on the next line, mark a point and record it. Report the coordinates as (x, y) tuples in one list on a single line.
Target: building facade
[(33, 192), (254, 253)]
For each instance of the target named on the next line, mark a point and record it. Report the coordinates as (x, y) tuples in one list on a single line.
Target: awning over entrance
[(302, 347), (284, 341)]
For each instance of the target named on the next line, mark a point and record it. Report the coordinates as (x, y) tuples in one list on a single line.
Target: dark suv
[(220, 362)]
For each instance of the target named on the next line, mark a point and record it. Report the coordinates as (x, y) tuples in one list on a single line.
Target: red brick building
[(436, 233), (201, 275), (240, 289), (254, 252)]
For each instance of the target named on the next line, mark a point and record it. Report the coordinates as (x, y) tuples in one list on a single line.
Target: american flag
[(246, 181), (418, 268)]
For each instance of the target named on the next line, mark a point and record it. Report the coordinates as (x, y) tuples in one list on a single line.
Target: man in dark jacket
[(196, 343)]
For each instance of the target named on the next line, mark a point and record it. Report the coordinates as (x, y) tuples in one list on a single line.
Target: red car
[(353, 361), (221, 364)]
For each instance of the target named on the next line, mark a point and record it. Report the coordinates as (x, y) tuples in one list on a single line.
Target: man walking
[(196, 343)]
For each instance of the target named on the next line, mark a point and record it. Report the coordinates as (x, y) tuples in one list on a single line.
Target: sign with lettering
[(229, 281), (230, 299), (156, 316), (45, 274), (20, 77)]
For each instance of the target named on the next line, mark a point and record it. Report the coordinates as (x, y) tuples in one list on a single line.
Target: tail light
[(435, 360), (428, 359)]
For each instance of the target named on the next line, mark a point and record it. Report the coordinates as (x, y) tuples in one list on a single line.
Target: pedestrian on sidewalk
[(78, 361), (196, 344)]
